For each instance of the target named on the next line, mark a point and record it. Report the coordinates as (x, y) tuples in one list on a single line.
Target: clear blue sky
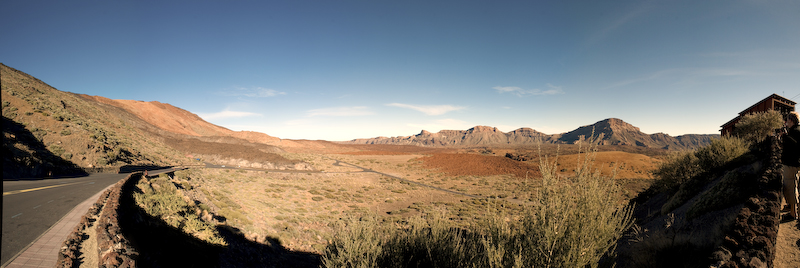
[(340, 70)]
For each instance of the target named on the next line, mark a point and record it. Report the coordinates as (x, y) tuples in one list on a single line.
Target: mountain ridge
[(52, 132), (611, 131)]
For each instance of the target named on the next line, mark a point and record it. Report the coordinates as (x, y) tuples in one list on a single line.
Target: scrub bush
[(573, 222)]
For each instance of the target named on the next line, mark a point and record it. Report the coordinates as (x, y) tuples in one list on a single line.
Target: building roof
[(773, 96)]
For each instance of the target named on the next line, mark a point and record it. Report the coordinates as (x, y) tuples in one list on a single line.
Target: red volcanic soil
[(380, 149), (180, 121), (166, 117), (478, 165)]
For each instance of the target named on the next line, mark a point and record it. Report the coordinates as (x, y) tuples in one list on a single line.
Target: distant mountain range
[(610, 131), (48, 130)]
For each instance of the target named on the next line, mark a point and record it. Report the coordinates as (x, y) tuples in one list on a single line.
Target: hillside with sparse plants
[(77, 132), (48, 132), (615, 197)]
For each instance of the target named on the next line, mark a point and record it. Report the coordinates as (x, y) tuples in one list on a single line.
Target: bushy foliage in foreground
[(680, 167), (159, 198), (756, 127), (684, 173), (573, 222)]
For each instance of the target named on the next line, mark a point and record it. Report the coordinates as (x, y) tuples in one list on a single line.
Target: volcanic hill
[(48, 131)]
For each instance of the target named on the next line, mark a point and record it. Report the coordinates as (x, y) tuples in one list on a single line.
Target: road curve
[(31, 207)]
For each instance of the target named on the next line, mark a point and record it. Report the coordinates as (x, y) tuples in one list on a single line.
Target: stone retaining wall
[(751, 241), (69, 253), (114, 250)]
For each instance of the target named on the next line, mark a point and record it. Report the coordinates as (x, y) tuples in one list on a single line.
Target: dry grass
[(302, 209), (478, 165), (621, 165), (571, 222), (298, 208)]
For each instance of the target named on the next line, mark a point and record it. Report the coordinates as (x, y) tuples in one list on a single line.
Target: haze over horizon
[(342, 70)]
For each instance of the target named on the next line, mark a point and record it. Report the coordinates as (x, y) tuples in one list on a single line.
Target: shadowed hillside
[(83, 134), (722, 212), (24, 156)]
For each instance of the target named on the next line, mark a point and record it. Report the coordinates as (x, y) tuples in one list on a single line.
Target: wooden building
[(773, 102)]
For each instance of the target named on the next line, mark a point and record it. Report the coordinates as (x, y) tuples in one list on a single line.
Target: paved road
[(32, 207)]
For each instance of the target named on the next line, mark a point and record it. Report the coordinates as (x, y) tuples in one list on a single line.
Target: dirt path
[(89, 248), (787, 246)]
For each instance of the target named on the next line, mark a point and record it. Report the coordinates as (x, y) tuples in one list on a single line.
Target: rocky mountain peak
[(526, 132), (478, 129), (616, 125)]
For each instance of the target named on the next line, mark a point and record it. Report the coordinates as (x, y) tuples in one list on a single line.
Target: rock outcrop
[(610, 131)]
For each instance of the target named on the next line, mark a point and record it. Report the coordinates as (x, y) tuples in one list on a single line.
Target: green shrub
[(159, 198), (721, 151), (576, 222), (57, 150), (232, 214), (680, 167), (358, 243), (685, 173), (756, 127)]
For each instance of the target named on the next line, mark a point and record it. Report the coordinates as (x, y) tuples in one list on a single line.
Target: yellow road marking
[(40, 188)]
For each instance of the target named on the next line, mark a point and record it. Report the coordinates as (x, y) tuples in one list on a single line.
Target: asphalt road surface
[(31, 207)]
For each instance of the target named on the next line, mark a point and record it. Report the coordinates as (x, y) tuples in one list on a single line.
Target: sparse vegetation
[(78, 125), (682, 167), (159, 198), (572, 222), (708, 202), (390, 206)]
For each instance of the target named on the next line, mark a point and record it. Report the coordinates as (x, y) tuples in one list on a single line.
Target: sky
[(341, 70)]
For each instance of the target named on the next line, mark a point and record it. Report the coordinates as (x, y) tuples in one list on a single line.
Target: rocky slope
[(610, 131), (723, 217), (479, 135), (171, 121), (67, 131), (165, 116), (51, 132), (614, 131)]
